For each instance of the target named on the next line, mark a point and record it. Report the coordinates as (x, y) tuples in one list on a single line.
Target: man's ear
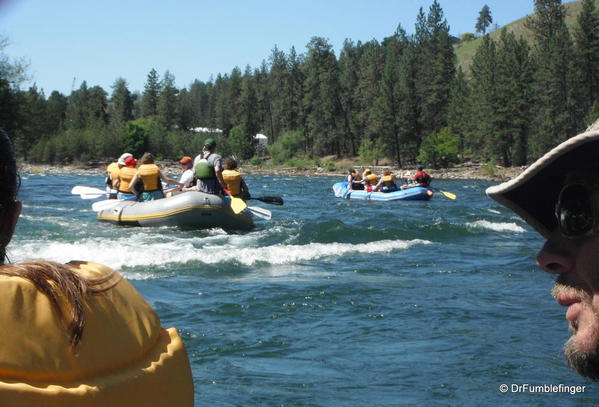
[(8, 224)]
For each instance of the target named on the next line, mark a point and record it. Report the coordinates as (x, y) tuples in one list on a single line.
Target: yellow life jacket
[(126, 174), (150, 174), (125, 357), (372, 179), (389, 180), (113, 171), (233, 180)]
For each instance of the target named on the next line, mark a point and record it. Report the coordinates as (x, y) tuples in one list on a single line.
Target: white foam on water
[(494, 211), (496, 226), (150, 250)]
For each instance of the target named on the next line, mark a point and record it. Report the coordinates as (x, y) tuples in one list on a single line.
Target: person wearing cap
[(123, 183), (187, 176), (558, 195), (112, 175), (369, 179), (207, 168)]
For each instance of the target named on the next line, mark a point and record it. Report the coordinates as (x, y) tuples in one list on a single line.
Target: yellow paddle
[(447, 194), (237, 204)]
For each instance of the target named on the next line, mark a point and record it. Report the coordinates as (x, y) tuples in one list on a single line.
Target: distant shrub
[(439, 149), (488, 170), (257, 161), (467, 37)]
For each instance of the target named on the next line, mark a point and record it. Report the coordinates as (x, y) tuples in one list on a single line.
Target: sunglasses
[(575, 211)]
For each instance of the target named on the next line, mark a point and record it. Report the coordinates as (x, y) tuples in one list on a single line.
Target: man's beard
[(585, 363)]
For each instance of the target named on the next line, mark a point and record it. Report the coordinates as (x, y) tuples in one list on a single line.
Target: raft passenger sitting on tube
[(123, 182), (234, 181), (151, 176), (208, 167), (354, 180), (112, 175), (387, 182), (369, 180)]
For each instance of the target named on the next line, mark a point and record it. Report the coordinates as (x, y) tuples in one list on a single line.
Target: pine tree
[(56, 107), (460, 109), (555, 115), (321, 98), (166, 108), (484, 20), (586, 37), (121, 103), (149, 101), (436, 68)]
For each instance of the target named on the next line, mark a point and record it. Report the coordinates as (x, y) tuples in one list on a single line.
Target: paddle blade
[(106, 204), (260, 212), (448, 194), (91, 196), (273, 200), (82, 190), (238, 205)]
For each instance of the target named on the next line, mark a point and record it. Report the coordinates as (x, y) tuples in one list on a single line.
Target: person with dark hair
[(233, 179), (78, 334), (421, 178), (354, 180), (150, 174), (387, 183), (558, 195), (208, 167)]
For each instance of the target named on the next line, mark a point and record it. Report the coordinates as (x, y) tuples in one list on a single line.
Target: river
[(334, 302)]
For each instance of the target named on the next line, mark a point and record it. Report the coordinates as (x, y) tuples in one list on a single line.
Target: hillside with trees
[(405, 99)]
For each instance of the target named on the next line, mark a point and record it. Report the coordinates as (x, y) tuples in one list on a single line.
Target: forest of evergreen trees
[(402, 99)]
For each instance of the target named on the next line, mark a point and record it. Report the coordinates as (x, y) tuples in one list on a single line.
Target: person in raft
[(79, 334), (151, 176), (187, 175), (207, 168), (558, 195), (234, 181), (369, 180), (112, 174), (387, 182), (421, 178), (123, 182), (354, 180)]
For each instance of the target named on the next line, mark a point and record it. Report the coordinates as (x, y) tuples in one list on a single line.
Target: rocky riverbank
[(463, 171)]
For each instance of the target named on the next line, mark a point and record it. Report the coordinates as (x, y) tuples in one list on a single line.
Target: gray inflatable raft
[(195, 210)]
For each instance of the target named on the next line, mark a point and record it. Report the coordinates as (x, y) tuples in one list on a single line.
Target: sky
[(68, 41)]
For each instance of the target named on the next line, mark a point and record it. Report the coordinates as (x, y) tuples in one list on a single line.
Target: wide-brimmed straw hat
[(533, 194)]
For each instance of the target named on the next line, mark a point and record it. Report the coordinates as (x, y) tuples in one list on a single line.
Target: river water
[(335, 302)]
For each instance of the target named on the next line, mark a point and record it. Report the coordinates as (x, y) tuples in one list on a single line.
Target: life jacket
[(203, 169), (233, 180), (126, 174), (422, 178), (388, 180), (371, 179), (150, 174), (125, 357), (112, 172)]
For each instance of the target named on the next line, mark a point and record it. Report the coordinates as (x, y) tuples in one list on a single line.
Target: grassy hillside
[(466, 50)]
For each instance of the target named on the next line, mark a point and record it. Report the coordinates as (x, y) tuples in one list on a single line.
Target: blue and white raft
[(410, 194)]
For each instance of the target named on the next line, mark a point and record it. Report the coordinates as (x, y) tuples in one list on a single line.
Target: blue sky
[(68, 41)]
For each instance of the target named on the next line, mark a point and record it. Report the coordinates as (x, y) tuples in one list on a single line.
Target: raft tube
[(409, 194), (193, 209)]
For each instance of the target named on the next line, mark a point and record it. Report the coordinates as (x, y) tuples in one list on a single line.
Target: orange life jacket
[(126, 174)]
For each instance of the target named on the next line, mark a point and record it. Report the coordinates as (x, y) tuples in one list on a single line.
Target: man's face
[(577, 287)]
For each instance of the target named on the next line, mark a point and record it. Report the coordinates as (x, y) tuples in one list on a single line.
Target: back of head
[(420, 168), (230, 163), (209, 144), (147, 158)]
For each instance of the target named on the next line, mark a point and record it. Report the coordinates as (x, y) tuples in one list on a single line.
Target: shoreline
[(466, 171)]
